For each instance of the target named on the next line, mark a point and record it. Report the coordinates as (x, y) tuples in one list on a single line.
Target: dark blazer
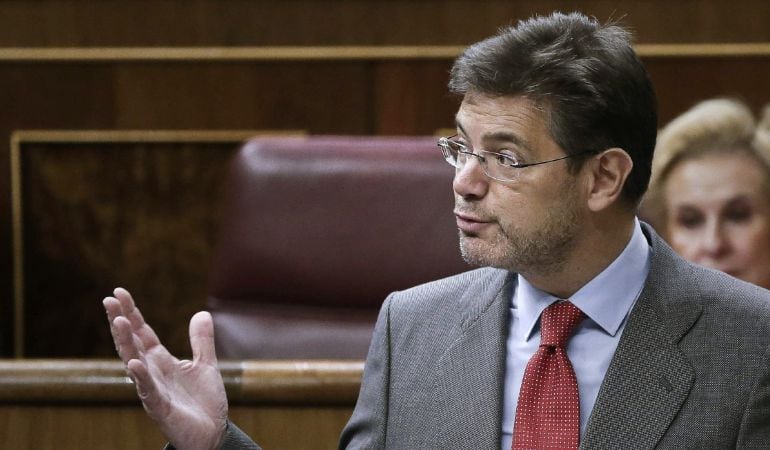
[(691, 370)]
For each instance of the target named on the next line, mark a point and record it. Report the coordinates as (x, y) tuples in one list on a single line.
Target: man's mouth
[(471, 223)]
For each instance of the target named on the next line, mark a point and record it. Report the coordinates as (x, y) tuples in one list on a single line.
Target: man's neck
[(596, 249)]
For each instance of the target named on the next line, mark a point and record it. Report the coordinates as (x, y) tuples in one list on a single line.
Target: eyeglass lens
[(457, 155)]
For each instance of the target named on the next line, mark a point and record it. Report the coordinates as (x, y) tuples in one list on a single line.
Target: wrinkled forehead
[(477, 106), (483, 99), (483, 116)]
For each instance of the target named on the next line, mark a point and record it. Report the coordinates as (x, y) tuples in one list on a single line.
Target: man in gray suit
[(555, 136)]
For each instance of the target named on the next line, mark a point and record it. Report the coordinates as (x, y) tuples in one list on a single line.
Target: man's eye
[(460, 144), (506, 160)]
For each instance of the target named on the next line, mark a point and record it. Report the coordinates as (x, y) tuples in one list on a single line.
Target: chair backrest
[(316, 231)]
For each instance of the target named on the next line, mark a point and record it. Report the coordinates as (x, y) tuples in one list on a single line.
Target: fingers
[(120, 328), (155, 404), (126, 343), (202, 339), (128, 308), (138, 326), (112, 307)]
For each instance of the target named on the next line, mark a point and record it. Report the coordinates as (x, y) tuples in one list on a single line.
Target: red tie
[(548, 414)]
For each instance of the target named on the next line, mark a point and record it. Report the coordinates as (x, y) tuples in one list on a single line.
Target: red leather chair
[(316, 231)]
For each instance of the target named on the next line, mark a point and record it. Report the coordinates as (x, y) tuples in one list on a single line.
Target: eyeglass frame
[(444, 146)]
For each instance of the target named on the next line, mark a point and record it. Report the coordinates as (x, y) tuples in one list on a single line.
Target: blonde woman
[(710, 188)]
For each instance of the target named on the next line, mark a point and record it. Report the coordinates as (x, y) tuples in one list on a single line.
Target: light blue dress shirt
[(606, 301)]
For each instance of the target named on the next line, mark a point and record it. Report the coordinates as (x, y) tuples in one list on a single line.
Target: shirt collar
[(606, 299)]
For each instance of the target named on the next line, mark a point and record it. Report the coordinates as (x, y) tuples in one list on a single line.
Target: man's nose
[(470, 181)]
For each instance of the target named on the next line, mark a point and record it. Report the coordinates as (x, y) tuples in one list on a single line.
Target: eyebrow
[(738, 200), (499, 137)]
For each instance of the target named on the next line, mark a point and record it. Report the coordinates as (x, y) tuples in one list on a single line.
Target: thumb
[(202, 338)]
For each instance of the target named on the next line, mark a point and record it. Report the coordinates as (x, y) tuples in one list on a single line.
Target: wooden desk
[(84, 404)]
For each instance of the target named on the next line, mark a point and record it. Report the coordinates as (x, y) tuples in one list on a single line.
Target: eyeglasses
[(497, 166)]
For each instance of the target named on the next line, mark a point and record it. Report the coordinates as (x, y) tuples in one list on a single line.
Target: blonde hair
[(719, 125), (761, 141)]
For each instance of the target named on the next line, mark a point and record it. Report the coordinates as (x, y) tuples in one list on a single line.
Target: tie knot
[(557, 323)]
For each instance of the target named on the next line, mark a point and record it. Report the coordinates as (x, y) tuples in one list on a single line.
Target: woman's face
[(718, 214)]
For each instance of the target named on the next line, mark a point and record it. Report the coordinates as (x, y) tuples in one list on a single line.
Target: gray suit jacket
[(691, 370)]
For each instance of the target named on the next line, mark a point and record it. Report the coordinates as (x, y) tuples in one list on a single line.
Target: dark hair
[(595, 89)]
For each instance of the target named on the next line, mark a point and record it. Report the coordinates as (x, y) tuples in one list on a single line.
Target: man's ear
[(609, 171)]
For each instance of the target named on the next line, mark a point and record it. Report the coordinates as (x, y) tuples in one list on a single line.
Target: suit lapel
[(649, 378), (470, 374)]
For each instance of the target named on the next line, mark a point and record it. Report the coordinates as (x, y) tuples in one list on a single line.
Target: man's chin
[(467, 235), (475, 251)]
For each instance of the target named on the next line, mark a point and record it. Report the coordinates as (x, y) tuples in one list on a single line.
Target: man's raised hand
[(186, 398)]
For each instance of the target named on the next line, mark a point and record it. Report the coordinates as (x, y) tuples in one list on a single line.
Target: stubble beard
[(541, 249)]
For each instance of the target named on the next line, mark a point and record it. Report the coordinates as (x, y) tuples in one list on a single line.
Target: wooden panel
[(71, 427), (41, 97), (45, 404), (77, 427), (247, 382), (371, 22), (99, 210), (681, 82), (411, 97), (293, 428), (320, 97)]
